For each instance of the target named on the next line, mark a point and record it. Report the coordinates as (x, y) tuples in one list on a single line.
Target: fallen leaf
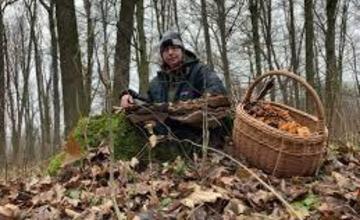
[(217, 173), (227, 180), (71, 202), (43, 198), (242, 174), (162, 185), (46, 212), (342, 181), (200, 196), (237, 207), (72, 213), (261, 197), (106, 206), (9, 211), (103, 191), (95, 170)]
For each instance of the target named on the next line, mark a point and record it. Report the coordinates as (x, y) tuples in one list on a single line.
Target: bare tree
[(22, 100), (342, 40), (309, 50), (2, 90), (54, 70), (166, 13), (254, 13), (266, 19), (43, 102), (10, 80), (176, 18), (206, 33), (123, 48), (70, 63), (332, 82), (90, 41), (143, 64), (355, 68), (221, 20), (104, 72), (294, 58)]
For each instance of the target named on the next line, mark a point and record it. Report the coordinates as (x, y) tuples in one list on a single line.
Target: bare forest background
[(65, 59)]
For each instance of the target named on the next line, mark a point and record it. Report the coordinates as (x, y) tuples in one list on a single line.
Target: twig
[(112, 182), (85, 135), (205, 130), (290, 209)]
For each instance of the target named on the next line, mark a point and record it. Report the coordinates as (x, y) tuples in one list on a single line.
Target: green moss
[(91, 132), (128, 140), (55, 164)]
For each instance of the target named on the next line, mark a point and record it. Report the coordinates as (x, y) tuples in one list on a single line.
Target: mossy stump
[(128, 140)]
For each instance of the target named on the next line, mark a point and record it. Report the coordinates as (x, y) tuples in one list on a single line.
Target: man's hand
[(126, 101)]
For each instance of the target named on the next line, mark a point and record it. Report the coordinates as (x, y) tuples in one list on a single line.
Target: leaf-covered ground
[(217, 189)]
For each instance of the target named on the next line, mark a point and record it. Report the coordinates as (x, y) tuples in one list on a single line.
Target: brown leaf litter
[(178, 190)]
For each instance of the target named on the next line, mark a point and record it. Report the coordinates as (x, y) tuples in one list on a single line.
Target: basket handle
[(319, 107)]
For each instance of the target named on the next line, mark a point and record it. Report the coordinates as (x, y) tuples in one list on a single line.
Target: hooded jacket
[(190, 81)]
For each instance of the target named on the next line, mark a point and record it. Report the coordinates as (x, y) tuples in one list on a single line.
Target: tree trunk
[(355, 69), (332, 82), (70, 64), (29, 150), (105, 73), (9, 92), (42, 96), (143, 61), (90, 41), (342, 40), (22, 100), (267, 25), (55, 72), (163, 13), (176, 18), (294, 58), (158, 21), (267, 29), (2, 91), (123, 48), (39, 78), (254, 13), (206, 34), (223, 50), (309, 51)]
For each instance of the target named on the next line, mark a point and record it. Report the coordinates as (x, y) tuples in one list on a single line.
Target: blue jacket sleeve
[(210, 81)]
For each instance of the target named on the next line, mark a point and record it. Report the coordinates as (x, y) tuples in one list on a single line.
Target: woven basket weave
[(277, 152)]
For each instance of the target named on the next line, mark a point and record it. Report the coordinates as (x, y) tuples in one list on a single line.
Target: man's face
[(172, 56)]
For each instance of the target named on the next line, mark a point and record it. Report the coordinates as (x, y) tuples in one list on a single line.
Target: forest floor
[(215, 189)]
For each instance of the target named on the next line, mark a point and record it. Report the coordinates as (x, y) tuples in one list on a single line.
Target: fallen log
[(186, 112)]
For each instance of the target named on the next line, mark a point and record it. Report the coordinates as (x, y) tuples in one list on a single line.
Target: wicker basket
[(277, 152)]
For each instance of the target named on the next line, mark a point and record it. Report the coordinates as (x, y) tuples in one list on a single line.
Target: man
[(182, 77)]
